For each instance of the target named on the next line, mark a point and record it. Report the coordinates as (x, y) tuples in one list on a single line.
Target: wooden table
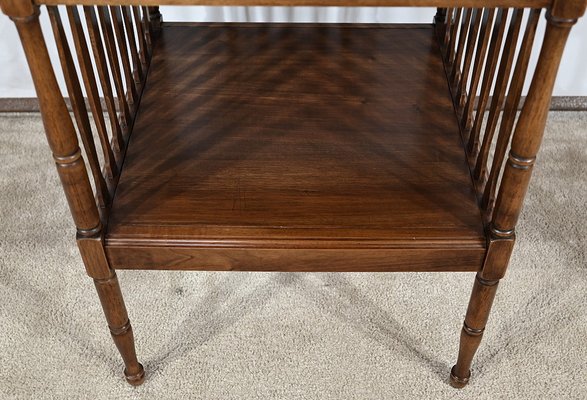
[(295, 147)]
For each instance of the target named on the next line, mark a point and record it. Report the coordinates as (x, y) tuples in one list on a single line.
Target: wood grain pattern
[(297, 139), (300, 259)]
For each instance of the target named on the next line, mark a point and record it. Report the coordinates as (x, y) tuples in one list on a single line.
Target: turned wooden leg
[(120, 328), (472, 332)]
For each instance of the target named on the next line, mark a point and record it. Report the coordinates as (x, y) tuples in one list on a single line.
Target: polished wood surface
[(306, 148), (286, 132)]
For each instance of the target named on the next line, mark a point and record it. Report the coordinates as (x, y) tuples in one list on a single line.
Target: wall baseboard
[(9, 105), (30, 104), (569, 103)]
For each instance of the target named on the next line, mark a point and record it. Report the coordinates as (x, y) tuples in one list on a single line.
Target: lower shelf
[(276, 147)]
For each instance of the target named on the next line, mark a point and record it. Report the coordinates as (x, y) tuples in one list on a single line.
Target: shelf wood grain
[(293, 137)]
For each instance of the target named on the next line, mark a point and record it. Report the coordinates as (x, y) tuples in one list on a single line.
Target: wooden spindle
[(488, 77), (104, 74), (481, 52), (143, 50), (447, 31), (453, 38), (530, 127), (130, 34), (59, 128), (147, 29), (461, 91), (455, 75), (501, 84), (78, 106), (509, 113), (121, 40), (87, 72), (114, 62)]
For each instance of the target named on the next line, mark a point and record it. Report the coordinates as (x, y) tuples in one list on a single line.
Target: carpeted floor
[(291, 336)]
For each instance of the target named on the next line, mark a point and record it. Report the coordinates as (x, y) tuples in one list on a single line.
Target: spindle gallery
[(295, 147)]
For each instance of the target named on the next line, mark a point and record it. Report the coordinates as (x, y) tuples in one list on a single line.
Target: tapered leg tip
[(136, 379), (458, 382)]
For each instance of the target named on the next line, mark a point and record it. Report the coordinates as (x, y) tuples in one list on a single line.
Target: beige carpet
[(290, 336)]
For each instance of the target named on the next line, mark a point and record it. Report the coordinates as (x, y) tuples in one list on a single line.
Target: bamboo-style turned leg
[(120, 328), (472, 332), (63, 142)]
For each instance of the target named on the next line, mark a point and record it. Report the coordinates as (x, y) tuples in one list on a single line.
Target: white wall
[(15, 80)]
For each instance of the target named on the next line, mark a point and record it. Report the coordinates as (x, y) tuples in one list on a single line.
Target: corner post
[(71, 168), (59, 128), (440, 17), (530, 128), (155, 20), (525, 145)]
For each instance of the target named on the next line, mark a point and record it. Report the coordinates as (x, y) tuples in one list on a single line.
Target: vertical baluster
[(455, 75), (87, 72), (489, 74), (471, 41), (147, 29), (143, 51), (120, 34), (501, 84), (530, 127), (61, 134), (113, 61), (130, 34), (447, 30), (102, 67), (484, 35), (78, 105), (453, 37), (440, 23), (510, 111)]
